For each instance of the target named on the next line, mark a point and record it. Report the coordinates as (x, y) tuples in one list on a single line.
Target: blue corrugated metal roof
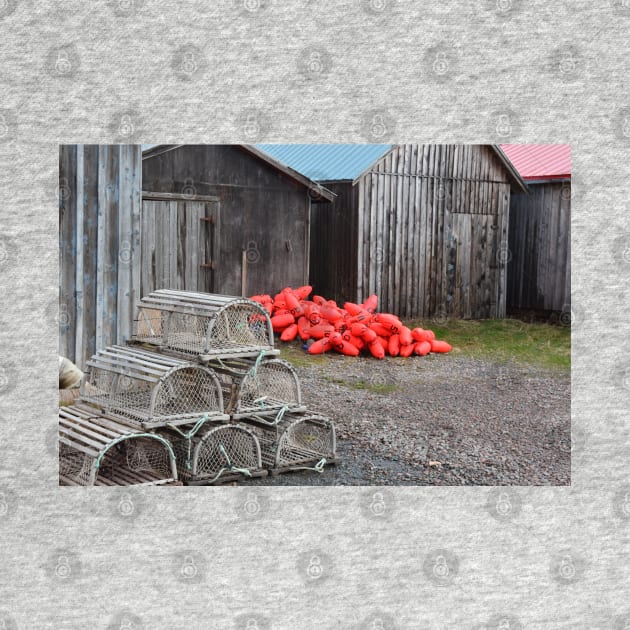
[(327, 162)]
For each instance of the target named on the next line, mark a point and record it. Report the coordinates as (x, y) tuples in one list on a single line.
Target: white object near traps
[(95, 450), (228, 452), (150, 390), (202, 325)]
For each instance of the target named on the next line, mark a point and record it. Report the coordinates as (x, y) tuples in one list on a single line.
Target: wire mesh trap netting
[(215, 455), (96, 450), (150, 390), (261, 386), (293, 441), (202, 324)]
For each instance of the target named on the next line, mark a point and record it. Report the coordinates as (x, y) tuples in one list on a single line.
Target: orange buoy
[(357, 329), (379, 329), (340, 325), (362, 316), (268, 306), (282, 311), (303, 328), (422, 348), (357, 342), (293, 304), (280, 322), (429, 335), (303, 292), (314, 316), (393, 347), (383, 341), (332, 314), (440, 346), (319, 347), (352, 308), (279, 300), (405, 337), (369, 336), (407, 351), (321, 330), (371, 303), (376, 348), (319, 300), (387, 319), (418, 334), (289, 333)]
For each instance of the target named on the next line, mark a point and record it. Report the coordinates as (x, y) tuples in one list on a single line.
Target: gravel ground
[(439, 420)]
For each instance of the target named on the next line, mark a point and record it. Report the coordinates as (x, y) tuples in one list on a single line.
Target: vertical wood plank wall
[(433, 231), (99, 246), (539, 273)]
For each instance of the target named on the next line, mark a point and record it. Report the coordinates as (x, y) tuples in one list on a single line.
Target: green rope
[(229, 467), (276, 420), (189, 435), (256, 365), (122, 438)]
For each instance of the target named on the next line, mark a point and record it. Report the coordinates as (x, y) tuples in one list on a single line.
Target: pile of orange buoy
[(348, 330)]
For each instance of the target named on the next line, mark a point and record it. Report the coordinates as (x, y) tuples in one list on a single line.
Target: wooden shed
[(539, 270), (224, 219), (423, 226)]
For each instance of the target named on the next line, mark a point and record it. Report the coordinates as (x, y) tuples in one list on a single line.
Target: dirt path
[(440, 420)]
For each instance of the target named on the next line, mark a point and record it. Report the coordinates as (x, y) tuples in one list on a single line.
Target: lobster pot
[(148, 390), (96, 450), (295, 442), (264, 386), (222, 453), (202, 325)]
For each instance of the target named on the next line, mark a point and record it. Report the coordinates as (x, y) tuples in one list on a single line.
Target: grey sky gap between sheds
[(256, 71)]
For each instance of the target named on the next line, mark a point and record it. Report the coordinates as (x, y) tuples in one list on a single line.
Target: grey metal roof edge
[(516, 176)]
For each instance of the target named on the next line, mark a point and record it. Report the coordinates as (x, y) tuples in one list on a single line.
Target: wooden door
[(179, 242)]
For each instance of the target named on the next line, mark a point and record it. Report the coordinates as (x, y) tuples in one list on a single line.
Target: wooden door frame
[(167, 196)]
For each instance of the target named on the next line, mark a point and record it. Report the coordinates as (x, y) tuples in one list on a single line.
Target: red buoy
[(376, 349), (319, 347), (303, 328), (440, 346), (352, 308), (289, 333), (303, 292), (321, 330), (407, 351), (429, 335), (418, 334), (369, 336), (422, 348), (370, 304), (405, 337), (393, 347), (379, 329), (280, 322)]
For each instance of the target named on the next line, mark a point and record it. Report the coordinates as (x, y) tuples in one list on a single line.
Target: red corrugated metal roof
[(540, 161)]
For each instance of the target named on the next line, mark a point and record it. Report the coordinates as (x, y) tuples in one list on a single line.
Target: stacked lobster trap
[(197, 395)]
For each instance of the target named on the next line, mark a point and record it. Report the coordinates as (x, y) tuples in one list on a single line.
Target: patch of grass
[(294, 354), (503, 340)]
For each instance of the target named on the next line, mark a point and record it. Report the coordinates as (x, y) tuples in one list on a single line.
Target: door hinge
[(211, 219), (211, 265)]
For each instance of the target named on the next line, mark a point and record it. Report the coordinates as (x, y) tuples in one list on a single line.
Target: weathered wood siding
[(179, 242), (539, 272), (99, 246), (433, 231), (334, 243), (263, 212)]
